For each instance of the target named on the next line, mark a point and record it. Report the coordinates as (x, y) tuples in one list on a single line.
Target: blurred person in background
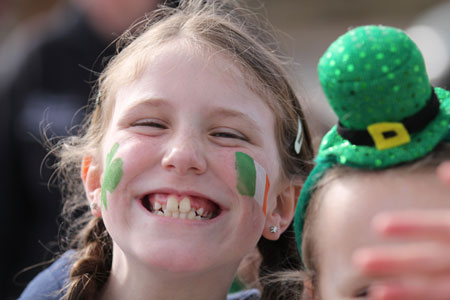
[(46, 78), (431, 32)]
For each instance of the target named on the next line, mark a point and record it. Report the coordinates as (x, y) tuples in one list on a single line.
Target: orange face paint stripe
[(266, 193)]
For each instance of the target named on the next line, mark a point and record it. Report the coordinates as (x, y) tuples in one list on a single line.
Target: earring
[(93, 206), (273, 229)]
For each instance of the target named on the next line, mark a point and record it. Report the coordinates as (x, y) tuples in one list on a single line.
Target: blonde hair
[(210, 25)]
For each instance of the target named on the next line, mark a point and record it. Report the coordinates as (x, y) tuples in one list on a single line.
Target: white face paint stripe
[(260, 190)]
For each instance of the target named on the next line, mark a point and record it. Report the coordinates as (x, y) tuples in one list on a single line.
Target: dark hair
[(217, 25)]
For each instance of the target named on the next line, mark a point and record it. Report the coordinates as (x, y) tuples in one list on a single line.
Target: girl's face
[(344, 222), (170, 185)]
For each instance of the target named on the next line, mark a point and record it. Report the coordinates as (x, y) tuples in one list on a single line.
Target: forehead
[(180, 70), (180, 59), (349, 203)]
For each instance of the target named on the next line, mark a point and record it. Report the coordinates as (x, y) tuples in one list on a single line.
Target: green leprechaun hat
[(375, 80)]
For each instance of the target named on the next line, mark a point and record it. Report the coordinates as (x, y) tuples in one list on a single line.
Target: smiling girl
[(192, 157)]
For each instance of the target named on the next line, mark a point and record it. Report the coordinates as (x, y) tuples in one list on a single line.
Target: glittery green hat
[(375, 80)]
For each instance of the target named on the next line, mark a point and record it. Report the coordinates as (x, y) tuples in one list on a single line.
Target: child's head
[(342, 210), (228, 32), (196, 99), (374, 160)]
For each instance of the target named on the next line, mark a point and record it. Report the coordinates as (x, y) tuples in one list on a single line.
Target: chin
[(179, 258)]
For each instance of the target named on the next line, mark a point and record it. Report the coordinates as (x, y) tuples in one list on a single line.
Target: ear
[(282, 212), (90, 174)]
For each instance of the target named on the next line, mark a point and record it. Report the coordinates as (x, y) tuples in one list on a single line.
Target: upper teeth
[(185, 205), (182, 210), (172, 204)]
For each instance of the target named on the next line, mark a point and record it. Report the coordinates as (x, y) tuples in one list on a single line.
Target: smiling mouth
[(184, 207)]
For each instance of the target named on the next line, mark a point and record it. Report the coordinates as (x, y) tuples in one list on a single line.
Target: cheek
[(119, 166), (112, 174), (247, 179), (137, 153), (117, 213), (225, 164)]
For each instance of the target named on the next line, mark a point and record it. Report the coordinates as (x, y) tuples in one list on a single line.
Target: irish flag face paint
[(113, 174), (252, 179)]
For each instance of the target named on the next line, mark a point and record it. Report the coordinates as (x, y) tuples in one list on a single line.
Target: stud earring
[(273, 229), (93, 206)]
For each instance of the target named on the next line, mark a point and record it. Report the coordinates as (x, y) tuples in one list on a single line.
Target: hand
[(411, 271), (419, 270)]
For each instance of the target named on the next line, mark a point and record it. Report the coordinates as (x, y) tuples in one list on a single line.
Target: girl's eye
[(149, 123), (229, 135)]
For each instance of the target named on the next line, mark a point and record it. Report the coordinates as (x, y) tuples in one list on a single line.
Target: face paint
[(113, 174), (252, 179), (85, 164)]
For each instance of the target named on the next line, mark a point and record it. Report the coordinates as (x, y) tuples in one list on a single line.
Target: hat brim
[(370, 157)]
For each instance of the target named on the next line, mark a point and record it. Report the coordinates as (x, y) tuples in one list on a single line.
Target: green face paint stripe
[(246, 173), (113, 174)]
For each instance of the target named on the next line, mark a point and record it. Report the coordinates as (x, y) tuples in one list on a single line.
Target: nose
[(184, 155)]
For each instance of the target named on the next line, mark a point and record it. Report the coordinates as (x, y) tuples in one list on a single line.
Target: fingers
[(413, 289), (418, 270), (430, 225), (405, 260)]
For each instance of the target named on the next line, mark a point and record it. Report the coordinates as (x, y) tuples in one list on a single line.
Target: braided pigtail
[(92, 266)]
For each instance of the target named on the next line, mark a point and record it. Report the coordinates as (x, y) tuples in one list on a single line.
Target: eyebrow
[(230, 113), (154, 102), (147, 102)]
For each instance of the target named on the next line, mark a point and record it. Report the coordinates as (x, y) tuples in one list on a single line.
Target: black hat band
[(412, 124)]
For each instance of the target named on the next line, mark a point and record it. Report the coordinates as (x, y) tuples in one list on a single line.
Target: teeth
[(157, 206), (183, 210), (191, 215), (200, 211), (185, 205), (172, 204)]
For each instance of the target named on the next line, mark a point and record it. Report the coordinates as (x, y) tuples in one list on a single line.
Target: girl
[(191, 158), (373, 197)]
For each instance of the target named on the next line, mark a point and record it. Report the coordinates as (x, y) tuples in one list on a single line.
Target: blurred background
[(312, 25), (31, 35)]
